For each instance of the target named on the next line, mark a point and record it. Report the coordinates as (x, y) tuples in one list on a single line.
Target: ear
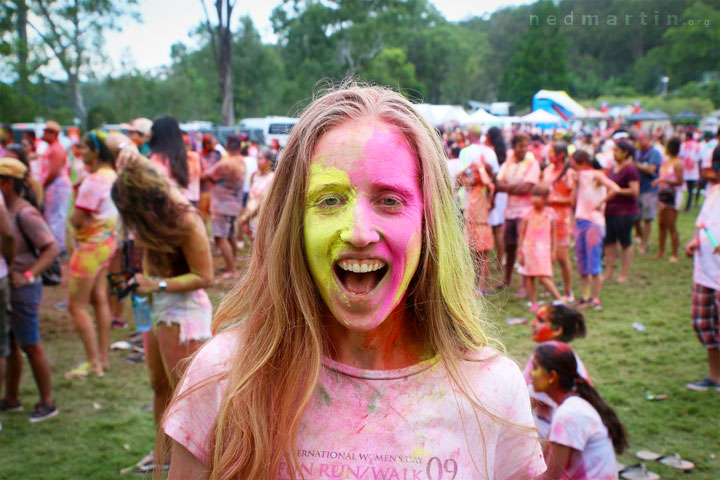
[(553, 377), (557, 332)]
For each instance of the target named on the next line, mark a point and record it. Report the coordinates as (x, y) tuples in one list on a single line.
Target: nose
[(363, 229)]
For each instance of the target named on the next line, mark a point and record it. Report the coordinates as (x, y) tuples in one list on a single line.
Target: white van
[(273, 127)]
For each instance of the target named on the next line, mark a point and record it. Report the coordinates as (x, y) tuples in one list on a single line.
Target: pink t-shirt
[(93, 196), (537, 242), (576, 424), (590, 192), (527, 171), (192, 191), (402, 424)]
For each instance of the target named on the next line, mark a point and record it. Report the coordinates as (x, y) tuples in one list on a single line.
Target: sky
[(147, 44)]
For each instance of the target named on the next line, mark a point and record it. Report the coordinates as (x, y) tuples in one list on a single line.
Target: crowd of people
[(361, 304)]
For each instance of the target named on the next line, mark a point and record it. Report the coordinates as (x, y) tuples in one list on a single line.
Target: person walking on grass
[(94, 223), (706, 275), (561, 180), (537, 250), (590, 196), (621, 211), (647, 161), (35, 251), (670, 199)]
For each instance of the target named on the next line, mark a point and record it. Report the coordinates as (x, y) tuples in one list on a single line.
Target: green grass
[(95, 443)]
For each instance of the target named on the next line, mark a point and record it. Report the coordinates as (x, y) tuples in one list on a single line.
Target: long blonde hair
[(276, 307)]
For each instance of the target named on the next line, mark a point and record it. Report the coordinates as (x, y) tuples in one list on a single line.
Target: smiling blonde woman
[(354, 345)]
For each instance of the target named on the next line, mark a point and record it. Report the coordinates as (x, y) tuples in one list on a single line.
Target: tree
[(72, 30), (539, 60), (222, 42), (391, 68)]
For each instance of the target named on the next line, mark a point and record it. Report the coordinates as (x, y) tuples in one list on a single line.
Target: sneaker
[(703, 385), (43, 412), (534, 307), (596, 304), (570, 298), (10, 407)]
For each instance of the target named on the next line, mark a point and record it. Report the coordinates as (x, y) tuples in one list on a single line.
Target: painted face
[(89, 156), (363, 221), (542, 330), (540, 377), (520, 150)]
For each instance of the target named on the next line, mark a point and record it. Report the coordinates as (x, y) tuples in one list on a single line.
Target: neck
[(11, 200), (559, 395), (391, 345)]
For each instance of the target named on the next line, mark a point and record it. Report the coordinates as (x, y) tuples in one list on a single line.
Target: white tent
[(442, 114), (483, 117), (541, 117)]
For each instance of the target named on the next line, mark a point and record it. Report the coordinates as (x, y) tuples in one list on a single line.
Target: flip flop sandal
[(669, 459), (80, 371), (638, 472)]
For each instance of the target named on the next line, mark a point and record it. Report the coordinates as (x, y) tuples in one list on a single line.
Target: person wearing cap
[(55, 179), (35, 250), (647, 161), (139, 131)]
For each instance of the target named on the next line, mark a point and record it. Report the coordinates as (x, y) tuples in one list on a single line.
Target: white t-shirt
[(690, 156), (402, 424), (473, 153), (576, 424), (251, 167), (706, 264)]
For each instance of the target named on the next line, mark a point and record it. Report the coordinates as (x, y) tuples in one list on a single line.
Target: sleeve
[(89, 196), (569, 428), (633, 174), (518, 453), (533, 173), (191, 415), (35, 228)]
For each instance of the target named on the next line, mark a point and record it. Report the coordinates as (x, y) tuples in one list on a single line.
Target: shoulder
[(216, 355), (493, 377)]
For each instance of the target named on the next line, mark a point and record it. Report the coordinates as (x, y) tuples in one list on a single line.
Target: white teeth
[(361, 266)]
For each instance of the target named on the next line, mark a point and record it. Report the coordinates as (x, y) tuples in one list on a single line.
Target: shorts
[(223, 226), (479, 236), (648, 204), (706, 315), (619, 229), (588, 247), (497, 214), (4, 319), (88, 258), (192, 311), (24, 319), (511, 231)]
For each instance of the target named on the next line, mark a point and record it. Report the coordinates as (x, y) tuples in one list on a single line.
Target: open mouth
[(360, 277)]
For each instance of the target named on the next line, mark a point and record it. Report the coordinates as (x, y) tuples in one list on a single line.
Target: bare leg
[(595, 286), (101, 305), (646, 229), (563, 258), (532, 291), (714, 364), (549, 285), (584, 286), (227, 250), (671, 223), (116, 306), (610, 256), (626, 259), (41, 371), (159, 382), (662, 230), (14, 373), (510, 256), (499, 245), (484, 270), (80, 289)]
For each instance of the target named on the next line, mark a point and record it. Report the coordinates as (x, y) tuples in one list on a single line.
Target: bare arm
[(7, 240), (56, 162), (184, 465), (79, 218), (521, 188), (556, 457)]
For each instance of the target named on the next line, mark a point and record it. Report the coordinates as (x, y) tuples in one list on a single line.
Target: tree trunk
[(226, 81), (78, 100), (22, 48)]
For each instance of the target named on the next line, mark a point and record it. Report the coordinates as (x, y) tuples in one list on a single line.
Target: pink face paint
[(542, 330), (363, 221)]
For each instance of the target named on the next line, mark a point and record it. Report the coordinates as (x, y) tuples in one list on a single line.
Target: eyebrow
[(394, 187)]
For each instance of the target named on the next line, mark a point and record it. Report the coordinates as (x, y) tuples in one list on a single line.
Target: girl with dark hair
[(621, 210), (177, 266), (590, 196), (585, 432), (669, 198), (494, 139), (259, 187), (167, 150), (553, 322), (94, 224)]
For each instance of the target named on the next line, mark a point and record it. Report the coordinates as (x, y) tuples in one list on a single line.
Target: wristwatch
[(29, 275), (162, 285)]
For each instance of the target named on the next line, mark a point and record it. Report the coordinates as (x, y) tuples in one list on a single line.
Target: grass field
[(105, 424)]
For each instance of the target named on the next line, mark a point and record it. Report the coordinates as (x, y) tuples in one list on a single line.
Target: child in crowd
[(537, 245), (590, 196), (584, 429), (553, 322), (477, 228)]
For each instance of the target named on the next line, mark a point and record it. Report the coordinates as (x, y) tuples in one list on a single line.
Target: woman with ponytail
[(585, 432), (354, 344), (94, 232)]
